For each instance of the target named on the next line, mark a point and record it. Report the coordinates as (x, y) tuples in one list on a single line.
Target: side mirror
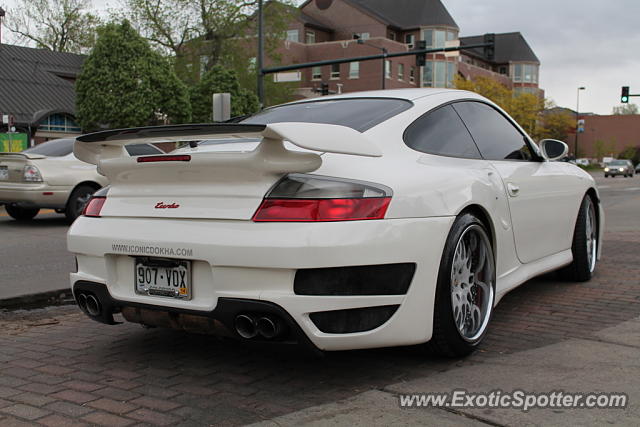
[(552, 149)]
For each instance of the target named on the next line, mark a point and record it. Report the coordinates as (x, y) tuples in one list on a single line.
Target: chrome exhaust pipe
[(246, 326), (81, 299), (93, 306), (269, 327)]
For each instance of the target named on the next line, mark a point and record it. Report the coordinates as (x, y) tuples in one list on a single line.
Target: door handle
[(513, 189)]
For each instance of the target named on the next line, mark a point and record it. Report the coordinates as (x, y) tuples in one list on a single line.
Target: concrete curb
[(39, 300)]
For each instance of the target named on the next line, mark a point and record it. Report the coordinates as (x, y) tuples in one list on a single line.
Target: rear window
[(142, 150), (54, 148), (360, 114)]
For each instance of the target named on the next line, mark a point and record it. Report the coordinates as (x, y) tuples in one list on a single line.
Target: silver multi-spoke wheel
[(591, 232), (472, 277)]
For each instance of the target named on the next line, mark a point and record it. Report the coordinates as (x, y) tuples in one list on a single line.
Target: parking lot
[(60, 368)]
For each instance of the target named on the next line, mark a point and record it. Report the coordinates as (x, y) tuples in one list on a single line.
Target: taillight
[(299, 197), (32, 174), (94, 206)]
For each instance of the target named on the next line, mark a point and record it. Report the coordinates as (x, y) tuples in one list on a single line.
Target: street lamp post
[(575, 149), (260, 55), (384, 61)]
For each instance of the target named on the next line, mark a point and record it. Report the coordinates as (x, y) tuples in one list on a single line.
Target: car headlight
[(32, 174), (606, 169), (621, 169)]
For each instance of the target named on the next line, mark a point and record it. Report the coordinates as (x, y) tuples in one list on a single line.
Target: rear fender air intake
[(352, 320), (383, 279)]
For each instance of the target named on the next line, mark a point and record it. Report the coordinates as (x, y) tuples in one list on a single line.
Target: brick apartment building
[(330, 29)]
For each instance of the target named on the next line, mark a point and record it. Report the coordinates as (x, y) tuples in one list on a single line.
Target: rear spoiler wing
[(93, 147)]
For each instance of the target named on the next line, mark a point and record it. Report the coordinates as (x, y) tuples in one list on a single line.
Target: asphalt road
[(34, 256)]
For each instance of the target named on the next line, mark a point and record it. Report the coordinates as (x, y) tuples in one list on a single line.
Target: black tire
[(447, 339), (606, 176), (21, 214), (79, 197), (583, 265)]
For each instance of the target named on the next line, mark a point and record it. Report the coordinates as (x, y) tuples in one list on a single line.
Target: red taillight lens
[(94, 206), (322, 209), (152, 159)]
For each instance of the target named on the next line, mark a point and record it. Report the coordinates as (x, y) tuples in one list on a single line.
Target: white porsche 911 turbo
[(361, 220)]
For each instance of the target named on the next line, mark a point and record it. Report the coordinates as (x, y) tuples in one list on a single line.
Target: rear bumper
[(617, 172), (36, 195), (258, 262)]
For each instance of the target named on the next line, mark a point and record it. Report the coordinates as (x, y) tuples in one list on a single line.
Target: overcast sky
[(591, 43)]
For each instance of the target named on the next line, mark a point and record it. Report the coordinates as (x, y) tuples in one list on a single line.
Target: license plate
[(163, 277), (4, 173)]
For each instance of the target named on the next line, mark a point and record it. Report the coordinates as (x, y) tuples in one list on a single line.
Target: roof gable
[(408, 14), (36, 80), (510, 47)]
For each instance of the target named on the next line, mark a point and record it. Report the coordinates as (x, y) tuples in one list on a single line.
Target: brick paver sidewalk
[(60, 368)]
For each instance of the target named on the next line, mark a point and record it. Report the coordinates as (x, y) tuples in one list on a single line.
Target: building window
[(204, 61), (436, 38), (293, 36), (335, 71), (410, 40), (354, 70), (525, 73), (392, 35), (59, 123), (412, 75), (387, 69), (521, 90), (316, 73), (438, 74), (503, 70), (310, 37), (362, 36), (401, 72)]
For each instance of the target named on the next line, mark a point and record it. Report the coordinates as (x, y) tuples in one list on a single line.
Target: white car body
[(233, 257), (60, 175)]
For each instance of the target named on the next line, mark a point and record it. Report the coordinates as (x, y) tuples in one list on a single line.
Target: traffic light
[(490, 51), (624, 97), (421, 58)]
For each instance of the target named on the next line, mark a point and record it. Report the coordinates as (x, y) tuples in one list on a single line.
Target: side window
[(496, 137), (441, 132)]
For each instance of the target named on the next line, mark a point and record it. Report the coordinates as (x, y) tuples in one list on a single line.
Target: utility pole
[(384, 60), (575, 149), (260, 55)]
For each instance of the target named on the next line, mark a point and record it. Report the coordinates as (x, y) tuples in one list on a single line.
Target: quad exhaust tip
[(249, 326), (89, 304)]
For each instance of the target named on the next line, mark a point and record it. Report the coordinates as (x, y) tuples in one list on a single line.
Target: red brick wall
[(616, 132), (370, 77)]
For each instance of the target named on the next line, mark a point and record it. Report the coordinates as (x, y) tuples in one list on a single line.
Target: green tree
[(555, 125), (57, 25), (220, 80), (601, 150), (124, 83), (631, 153), (625, 109)]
